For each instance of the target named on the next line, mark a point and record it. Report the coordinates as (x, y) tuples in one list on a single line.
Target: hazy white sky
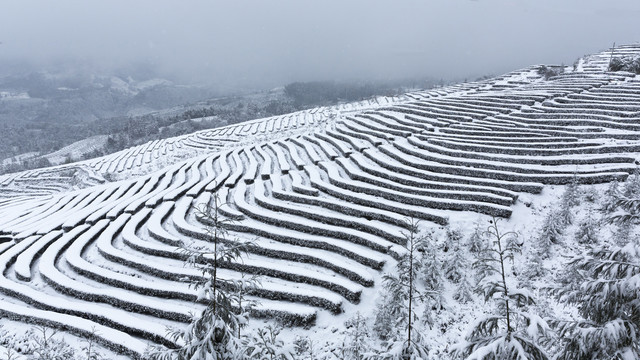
[(272, 42)]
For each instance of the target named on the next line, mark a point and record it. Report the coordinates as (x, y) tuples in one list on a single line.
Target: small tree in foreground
[(215, 333), (265, 345), (90, 347), (551, 233), (403, 291), (306, 348), (357, 337), (47, 347), (510, 332)]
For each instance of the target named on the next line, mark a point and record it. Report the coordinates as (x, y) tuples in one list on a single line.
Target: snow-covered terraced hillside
[(138, 158), (322, 195), (600, 62)]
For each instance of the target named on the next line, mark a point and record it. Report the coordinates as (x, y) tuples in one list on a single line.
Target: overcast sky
[(266, 43)]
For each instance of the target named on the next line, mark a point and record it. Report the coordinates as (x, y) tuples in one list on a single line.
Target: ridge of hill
[(322, 193)]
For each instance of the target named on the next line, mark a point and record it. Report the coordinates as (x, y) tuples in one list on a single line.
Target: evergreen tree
[(607, 298), (464, 290), (476, 241), (570, 198), (510, 332), (532, 268), (404, 291), (587, 230), (357, 338), (455, 264), (625, 218), (610, 197), (571, 195), (622, 234), (46, 346), (215, 332), (591, 194), (551, 232), (90, 347), (389, 316), (631, 188)]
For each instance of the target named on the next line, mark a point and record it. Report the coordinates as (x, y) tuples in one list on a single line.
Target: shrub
[(630, 64)]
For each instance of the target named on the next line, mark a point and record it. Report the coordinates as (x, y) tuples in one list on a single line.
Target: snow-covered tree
[(626, 216), (464, 290), (455, 264), (306, 348), (631, 187), (532, 268), (551, 233), (90, 347), (587, 230), (607, 297), (265, 345), (571, 195), (591, 194), (215, 332), (396, 320), (357, 344), (388, 316), (510, 332), (47, 346), (477, 241), (610, 198)]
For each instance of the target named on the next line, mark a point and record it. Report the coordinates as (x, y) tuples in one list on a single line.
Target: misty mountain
[(43, 112)]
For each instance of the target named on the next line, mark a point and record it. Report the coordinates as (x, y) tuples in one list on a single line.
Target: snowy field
[(322, 195)]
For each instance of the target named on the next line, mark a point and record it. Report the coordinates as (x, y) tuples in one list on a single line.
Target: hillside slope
[(321, 193)]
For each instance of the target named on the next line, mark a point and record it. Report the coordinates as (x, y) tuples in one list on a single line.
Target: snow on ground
[(77, 150), (324, 193)]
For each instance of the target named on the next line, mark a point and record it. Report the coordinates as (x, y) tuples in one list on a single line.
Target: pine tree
[(607, 298), (622, 234), (215, 332), (569, 199), (608, 301), (476, 241), (455, 264), (389, 316), (625, 218), (571, 195), (587, 230), (403, 293), (47, 346), (532, 268), (357, 338), (464, 290), (551, 233), (511, 332), (89, 347), (590, 194), (610, 197)]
